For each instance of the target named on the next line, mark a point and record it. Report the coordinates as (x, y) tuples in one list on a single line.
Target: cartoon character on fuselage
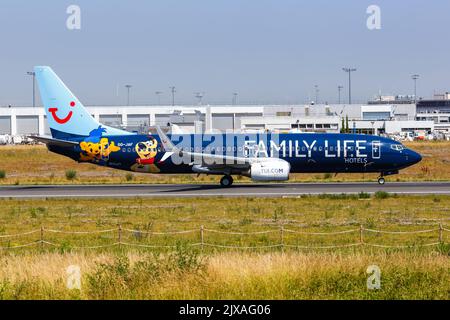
[(147, 151), (96, 148)]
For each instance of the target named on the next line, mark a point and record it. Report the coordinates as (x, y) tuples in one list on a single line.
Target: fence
[(282, 231)]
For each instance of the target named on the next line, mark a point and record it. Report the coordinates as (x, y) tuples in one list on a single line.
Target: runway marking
[(227, 195), (209, 190)]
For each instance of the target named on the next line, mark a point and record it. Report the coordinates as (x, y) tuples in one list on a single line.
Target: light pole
[(349, 71), (199, 96), (415, 77), (128, 86), (316, 87), (33, 74), (158, 93), (339, 94), (234, 101), (172, 90)]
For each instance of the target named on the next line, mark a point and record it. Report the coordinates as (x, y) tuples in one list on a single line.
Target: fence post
[(120, 235), (41, 240), (441, 238), (282, 238), (361, 234), (202, 229)]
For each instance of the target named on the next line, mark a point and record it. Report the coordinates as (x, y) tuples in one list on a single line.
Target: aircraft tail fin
[(66, 115)]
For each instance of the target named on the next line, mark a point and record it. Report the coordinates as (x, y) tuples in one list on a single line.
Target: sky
[(267, 51)]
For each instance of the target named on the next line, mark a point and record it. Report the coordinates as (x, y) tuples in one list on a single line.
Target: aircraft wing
[(209, 158), (52, 141)]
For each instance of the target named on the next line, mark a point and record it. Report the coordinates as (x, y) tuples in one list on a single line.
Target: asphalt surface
[(213, 190)]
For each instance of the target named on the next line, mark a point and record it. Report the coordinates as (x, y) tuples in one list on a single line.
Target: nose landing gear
[(381, 180), (226, 181)]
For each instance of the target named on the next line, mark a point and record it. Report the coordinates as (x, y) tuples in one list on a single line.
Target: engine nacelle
[(272, 170)]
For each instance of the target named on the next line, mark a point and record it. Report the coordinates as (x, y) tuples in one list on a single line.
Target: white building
[(306, 118), (369, 119)]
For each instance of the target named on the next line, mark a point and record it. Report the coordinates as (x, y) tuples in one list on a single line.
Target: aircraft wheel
[(381, 180), (226, 181)]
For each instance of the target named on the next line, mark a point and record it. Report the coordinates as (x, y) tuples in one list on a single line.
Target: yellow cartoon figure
[(146, 151), (97, 151)]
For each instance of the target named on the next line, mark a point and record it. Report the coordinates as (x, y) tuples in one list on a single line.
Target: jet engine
[(270, 170)]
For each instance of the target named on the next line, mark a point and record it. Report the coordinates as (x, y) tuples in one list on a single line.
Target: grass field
[(36, 165), (214, 273)]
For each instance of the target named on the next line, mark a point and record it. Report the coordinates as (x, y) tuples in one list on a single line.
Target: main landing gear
[(226, 181), (381, 180)]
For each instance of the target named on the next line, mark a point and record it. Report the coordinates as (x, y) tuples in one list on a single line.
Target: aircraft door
[(376, 149)]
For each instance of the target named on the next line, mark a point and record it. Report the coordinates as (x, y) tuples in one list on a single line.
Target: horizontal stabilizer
[(52, 141)]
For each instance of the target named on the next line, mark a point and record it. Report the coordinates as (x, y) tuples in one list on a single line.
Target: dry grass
[(228, 276), (183, 273), (36, 165)]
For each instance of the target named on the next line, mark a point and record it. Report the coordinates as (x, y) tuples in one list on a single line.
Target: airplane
[(261, 156)]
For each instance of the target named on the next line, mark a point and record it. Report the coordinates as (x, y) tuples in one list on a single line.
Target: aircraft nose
[(413, 157)]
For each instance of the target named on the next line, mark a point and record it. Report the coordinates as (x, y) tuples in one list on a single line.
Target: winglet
[(168, 146), (165, 141)]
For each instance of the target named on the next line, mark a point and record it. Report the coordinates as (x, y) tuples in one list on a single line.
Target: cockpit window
[(397, 147)]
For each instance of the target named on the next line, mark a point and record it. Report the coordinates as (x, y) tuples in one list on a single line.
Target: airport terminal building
[(370, 118)]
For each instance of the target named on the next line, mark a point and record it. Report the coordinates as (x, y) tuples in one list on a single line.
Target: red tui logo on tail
[(58, 119)]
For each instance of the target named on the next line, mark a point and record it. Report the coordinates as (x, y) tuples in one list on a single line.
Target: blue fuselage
[(305, 152)]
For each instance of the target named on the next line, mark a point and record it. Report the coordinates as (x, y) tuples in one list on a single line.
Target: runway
[(212, 190)]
